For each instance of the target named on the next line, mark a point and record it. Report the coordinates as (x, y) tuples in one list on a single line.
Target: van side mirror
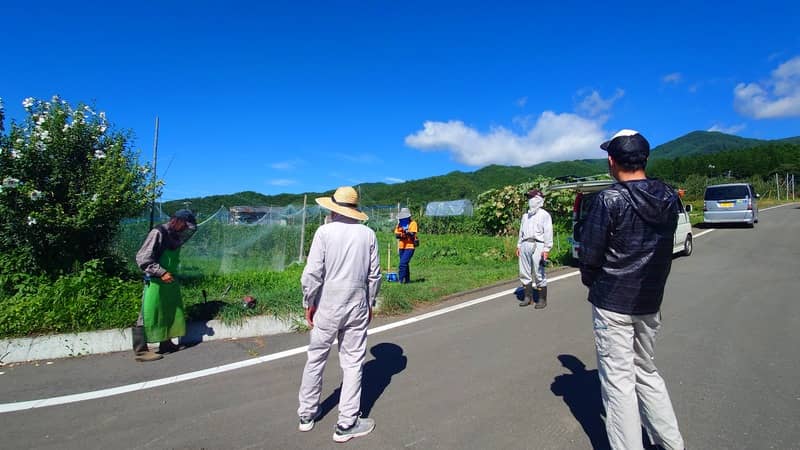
[(688, 208)]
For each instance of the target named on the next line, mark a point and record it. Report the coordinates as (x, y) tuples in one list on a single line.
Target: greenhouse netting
[(450, 208)]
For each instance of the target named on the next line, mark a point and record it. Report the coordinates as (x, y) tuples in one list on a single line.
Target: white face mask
[(534, 204)]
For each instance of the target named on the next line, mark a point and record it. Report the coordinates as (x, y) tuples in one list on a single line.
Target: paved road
[(487, 376)]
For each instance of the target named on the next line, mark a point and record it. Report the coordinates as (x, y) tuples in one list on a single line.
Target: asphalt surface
[(492, 375)]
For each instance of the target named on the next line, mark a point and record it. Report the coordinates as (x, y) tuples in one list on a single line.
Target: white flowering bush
[(67, 179)]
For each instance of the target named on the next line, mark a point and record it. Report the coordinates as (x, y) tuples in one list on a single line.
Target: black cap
[(534, 193), (185, 215), (627, 145)]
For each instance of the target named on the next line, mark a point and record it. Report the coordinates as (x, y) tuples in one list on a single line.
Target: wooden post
[(303, 230)]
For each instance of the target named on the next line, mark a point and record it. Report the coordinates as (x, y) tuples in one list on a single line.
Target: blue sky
[(306, 96)]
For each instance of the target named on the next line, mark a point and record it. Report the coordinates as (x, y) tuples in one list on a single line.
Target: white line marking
[(102, 393)]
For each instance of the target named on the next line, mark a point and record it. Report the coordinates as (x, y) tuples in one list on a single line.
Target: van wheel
[(687, 246)]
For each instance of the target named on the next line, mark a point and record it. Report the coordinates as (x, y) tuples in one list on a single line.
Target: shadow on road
[(389, 360), (581, 392), (707, 226)]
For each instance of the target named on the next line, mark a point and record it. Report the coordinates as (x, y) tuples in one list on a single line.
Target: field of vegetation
[(67, 241)]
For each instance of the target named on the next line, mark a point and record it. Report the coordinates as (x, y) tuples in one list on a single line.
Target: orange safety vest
[(406, 240)]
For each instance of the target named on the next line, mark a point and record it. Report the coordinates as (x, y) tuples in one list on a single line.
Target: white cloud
[(593, 105), (394, 180), (777, 97), (522, 101), (282, 182), (554, 137), (286, 165), (733, 129), (672, 78)]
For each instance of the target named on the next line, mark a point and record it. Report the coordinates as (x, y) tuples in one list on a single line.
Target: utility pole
[(155, 177)]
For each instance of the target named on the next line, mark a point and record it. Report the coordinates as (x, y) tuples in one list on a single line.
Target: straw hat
[(344, 201)]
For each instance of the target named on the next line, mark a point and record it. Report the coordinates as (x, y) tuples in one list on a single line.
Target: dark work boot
[(140, 349), (528, 295), (542, 303)]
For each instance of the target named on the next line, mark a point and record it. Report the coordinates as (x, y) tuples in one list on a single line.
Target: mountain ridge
[(458, 184)]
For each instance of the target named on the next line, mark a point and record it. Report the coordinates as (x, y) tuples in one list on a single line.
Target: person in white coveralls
[(340, 283), (533, 249)]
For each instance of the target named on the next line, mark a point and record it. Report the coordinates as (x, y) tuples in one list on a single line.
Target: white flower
[(28, 102), (36, 195), (41, 120), (66, 127), (56, 99), (20, 141), (10, 182), (102, 115), (95, 197), (103, 128), (45, 135), (99, 154), (15, 154), (31, 221)]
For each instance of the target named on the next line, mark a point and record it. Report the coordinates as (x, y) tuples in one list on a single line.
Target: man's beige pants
[(347, 321), (631, 386)]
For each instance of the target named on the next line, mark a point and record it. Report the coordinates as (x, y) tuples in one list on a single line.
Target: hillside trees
[(68, 180)]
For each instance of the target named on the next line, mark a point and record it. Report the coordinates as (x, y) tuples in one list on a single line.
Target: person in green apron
[(161, 316)]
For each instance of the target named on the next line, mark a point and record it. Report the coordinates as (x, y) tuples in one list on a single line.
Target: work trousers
[(531, 265), (404, 270), (634, 394), (347, 321)]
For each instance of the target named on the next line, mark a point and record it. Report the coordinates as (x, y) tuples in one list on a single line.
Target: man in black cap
[(161, 317), (625, 260)]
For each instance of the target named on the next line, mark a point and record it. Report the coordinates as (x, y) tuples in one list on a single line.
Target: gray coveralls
[(342, 278), (535, 237)]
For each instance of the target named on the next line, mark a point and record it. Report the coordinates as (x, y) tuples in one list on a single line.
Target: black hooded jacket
[(626, 246)]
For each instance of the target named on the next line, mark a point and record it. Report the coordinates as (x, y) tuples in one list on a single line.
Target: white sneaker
[(362, 427), (307, 423)]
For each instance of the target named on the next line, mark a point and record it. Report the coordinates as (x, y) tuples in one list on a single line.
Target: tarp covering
[(451, 208)]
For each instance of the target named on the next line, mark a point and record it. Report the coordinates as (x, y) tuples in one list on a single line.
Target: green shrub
[(82, 301), (67, 183)]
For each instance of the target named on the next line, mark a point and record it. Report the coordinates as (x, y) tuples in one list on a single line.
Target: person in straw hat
[(340, 283)]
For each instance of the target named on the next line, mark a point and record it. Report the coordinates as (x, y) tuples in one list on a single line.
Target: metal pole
[(303, 228), (155, 176), (777, 186)]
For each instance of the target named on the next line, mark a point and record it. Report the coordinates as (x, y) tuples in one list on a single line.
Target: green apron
[(162, 307)]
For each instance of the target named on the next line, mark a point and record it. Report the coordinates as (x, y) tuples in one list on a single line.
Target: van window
[(726, 192)]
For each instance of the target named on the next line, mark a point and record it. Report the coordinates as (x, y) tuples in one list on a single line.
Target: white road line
[(92, 395), (102, 393)]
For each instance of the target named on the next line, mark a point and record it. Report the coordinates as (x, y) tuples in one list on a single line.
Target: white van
[(586, 190)]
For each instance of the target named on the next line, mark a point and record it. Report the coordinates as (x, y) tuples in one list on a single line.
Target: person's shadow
[(581, 392), (389, 360)]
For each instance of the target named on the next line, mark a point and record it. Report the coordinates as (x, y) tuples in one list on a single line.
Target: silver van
[(730, 203), (586, 190)]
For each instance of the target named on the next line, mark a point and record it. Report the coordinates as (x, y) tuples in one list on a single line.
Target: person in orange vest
[(407, 240)]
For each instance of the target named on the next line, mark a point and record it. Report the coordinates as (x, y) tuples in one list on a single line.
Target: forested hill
[(458, 185), (705, 142)]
